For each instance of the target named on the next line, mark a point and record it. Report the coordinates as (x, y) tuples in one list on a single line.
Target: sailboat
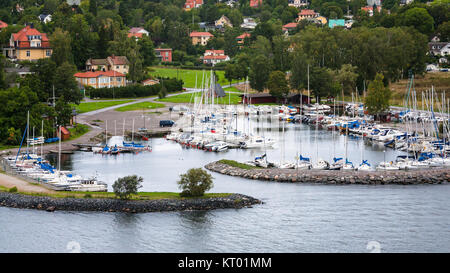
[(320, 164)]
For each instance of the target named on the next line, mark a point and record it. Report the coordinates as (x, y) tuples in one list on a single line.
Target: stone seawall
[(411, 177), (15, 200)]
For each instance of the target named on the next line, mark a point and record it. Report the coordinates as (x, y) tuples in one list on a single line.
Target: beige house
[(112, 63), (200, 37), (28, 45), (223, 21), (101, 79)]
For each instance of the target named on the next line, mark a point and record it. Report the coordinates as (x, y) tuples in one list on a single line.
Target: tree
[(260, 68), (378, 96), (146, 50), (420, 19), (195, 182), (278, 85), (125, 187), (231, 72), (444, 31), (65, 84), (346, 76), (322, 82), (2, 71), (93, 7), (62, 49)]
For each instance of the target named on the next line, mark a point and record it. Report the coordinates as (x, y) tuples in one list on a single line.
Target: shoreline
[(50, 204), (340, 177)]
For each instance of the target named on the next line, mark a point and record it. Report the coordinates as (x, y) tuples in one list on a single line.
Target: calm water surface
[(294, 218)]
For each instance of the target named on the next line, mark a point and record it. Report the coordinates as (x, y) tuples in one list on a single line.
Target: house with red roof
[(213, 57), (289, 27), (3, 25), (101, 79), (200, 37), (241, 38), (111, 63), (369, 9), (307, 14), (255, 3), (28, 45), (190, 4)]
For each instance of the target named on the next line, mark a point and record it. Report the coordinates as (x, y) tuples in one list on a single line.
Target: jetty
[(401, 177)]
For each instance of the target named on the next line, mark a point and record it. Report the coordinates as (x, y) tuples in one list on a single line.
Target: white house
[(249, 23), (45, 18), (136, 30), (445, 50), (213, 57)]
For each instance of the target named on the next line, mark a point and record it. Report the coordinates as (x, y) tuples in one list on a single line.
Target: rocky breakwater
[(411, 177), (16, 200)]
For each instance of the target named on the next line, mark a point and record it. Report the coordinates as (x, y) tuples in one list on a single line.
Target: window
[(117, 67), (28, 53), (118, 79), (48, 53), (92, 80)]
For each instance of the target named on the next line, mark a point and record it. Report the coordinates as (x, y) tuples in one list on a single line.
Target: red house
[(255, 3), (164, 54), (3, 25)]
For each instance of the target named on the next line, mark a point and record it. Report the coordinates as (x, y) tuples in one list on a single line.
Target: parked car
[(166, 123)]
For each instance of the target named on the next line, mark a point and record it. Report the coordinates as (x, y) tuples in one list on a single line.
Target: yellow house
[(101, 79), (200, 37), (321, 20), (28, 45)]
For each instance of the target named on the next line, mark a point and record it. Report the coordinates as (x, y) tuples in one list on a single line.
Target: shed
[(65, 134)]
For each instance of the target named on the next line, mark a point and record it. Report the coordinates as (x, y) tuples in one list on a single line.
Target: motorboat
[(321, 165)]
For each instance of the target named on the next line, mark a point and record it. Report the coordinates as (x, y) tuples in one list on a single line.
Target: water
[(294, 218)]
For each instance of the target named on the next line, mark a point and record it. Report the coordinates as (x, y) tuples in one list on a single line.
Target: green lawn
[(139, 196), (78, 130), (140, 106), (231, 98), (92, 106), (188, 76), (233, 89), (236, 164)]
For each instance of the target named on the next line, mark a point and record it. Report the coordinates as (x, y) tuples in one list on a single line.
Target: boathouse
[(65, 134), (261, 98)]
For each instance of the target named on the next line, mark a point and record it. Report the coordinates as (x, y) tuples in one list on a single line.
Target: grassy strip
[(233, 89), (140, 106), (236, 164), (92, 106), (188, 75), (111, 195), (78, 130), (231, 98)]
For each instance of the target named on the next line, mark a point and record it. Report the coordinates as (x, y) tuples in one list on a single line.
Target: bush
[(195, 182), (135, 90), (13, 189), (87, 195), (126, 186)]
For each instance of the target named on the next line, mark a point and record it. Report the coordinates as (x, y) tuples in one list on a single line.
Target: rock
[(50, 209)]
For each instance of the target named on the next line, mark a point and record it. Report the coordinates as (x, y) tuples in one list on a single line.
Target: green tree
[(444, 31), (260, 68), (278, 84), (346, 77), (322, 82), (125, 187), (420, 19), (65, 84), (231, 72), (378, 96), (2, 71), (195, 182), (61, 44), (146, 50), (93, 7)]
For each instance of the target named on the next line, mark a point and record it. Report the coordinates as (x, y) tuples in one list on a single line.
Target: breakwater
[(411, 177), (16, 200)]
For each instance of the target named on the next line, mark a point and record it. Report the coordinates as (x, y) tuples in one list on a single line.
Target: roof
[(219, 91), (307, 12), (118, 60), (64, 131), (290, 25), (3, 24), (200, 34), (23, 34), (215, 57), (97, 61), (135, 30), (336, 23), (215, 51), (137, 35), (243, 35), (255, 3), (150, 80), (163, 49), (97, 74)]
